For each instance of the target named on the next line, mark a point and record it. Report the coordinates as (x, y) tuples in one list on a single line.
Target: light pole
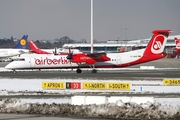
[(91, 26)]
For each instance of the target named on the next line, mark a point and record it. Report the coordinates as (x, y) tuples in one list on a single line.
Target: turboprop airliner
[(17, 50), (153, 51)]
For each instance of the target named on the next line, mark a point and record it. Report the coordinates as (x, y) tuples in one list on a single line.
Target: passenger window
[(19, 59)]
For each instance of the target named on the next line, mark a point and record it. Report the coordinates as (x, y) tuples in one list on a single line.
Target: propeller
[(69, 57), (55, 51), (70, 54)]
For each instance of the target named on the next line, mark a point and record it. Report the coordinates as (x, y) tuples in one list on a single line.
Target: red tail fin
[(157, 43), (35, 49), (177, 43)]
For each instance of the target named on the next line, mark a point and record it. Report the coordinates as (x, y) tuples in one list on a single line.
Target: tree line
[(10, 43)]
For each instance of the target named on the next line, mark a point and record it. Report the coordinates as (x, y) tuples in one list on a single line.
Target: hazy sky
[(113, 19)]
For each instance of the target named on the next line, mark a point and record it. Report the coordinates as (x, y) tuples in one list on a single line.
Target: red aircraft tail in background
[(177, 45), (35, 49)]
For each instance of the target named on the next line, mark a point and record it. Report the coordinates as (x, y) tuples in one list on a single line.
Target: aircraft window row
[(97, 48), (113, 59), (19, 59), (170, 41)]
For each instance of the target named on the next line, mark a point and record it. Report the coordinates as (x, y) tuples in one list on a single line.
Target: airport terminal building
[(121, 46)]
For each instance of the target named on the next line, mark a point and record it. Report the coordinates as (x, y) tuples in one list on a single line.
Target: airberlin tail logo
[(158, 44)]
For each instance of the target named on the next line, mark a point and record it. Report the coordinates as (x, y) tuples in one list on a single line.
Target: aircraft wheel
[(78, 70), (94, 71), (14, 71)]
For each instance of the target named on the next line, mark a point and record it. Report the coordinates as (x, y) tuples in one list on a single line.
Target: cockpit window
[(19, 59)]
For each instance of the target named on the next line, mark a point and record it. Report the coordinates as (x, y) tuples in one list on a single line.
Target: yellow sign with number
[(171, 81), (53, 85), (119, 86)]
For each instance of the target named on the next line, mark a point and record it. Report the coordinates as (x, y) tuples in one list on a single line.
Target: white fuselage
[(12, 52), (45, 61), (61, 50)]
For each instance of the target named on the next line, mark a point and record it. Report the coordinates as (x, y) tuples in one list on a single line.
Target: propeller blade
[(70, 54), (55, 51), (69, 50)]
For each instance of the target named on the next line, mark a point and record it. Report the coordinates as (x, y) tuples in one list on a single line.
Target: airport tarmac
[(125, 74), (169, 72), (164, 68), (161, 63)]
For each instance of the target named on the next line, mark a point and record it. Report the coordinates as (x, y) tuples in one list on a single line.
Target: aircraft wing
[(95, 54), (89, 58)]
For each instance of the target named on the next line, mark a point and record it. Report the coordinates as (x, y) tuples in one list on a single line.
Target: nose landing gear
[(14, 71)]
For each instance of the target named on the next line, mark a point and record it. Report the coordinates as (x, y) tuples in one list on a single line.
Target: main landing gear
[(93, 69), (78, 70)]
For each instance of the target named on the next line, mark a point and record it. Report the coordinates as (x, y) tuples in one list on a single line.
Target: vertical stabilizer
[(155, 48), (22, 43), (177, 43), (157, 43), (35, 49)]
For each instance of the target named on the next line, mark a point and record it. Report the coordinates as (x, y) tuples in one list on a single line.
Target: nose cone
[(9, 66)]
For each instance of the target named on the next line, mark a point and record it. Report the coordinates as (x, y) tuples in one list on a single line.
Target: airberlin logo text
[(48, 61)]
